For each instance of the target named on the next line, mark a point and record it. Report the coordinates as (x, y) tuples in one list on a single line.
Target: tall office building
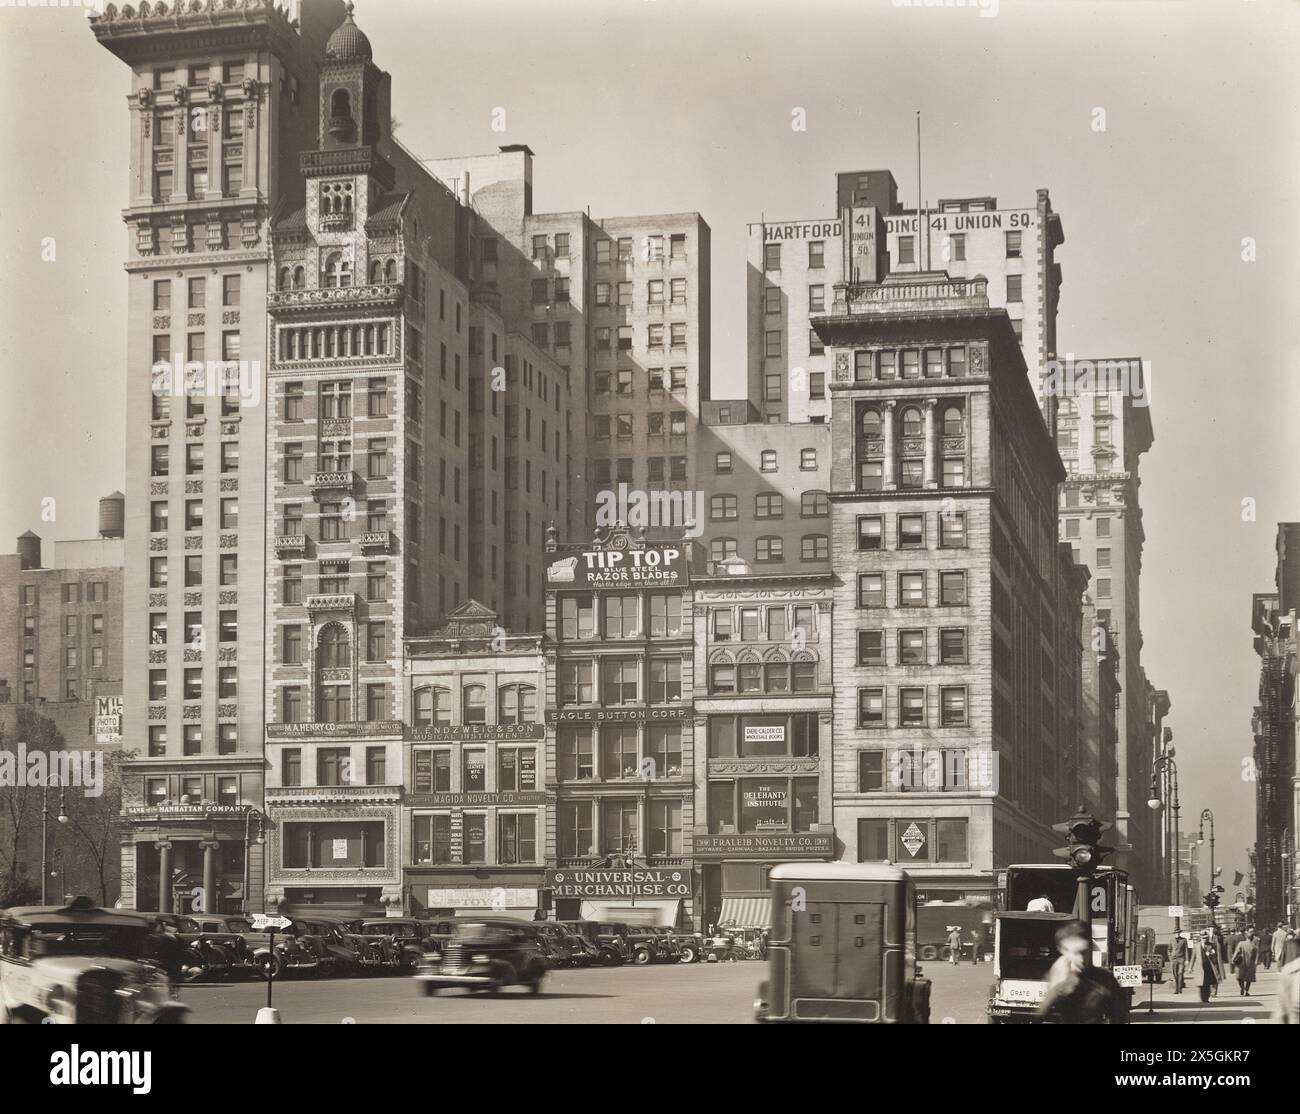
[(223, 98), (954, 606), (622, 304), (1103, 428)]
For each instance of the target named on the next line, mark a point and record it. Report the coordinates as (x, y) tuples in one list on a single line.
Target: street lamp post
[(261, 838), (1208, 815), (1165, 769), (45, 837)]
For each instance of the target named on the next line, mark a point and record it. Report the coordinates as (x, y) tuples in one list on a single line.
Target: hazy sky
[(640, 106)]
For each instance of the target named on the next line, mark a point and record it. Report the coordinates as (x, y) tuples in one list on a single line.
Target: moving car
[(79, 964), (567, 948), (390, 945), (487, 953)]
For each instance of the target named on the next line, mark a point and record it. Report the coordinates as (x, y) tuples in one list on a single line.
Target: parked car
[(487, 953), (215, 948), (610, 940), (670, 948), (390, 945), (567, 948), (79, 964), (690, 946), (649, 946)]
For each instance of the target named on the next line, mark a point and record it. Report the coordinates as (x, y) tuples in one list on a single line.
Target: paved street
[(696, 994)]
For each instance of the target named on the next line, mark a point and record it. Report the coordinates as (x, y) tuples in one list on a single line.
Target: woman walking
[(1244, 958)]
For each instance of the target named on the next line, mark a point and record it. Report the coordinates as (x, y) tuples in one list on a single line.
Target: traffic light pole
[(1083, 901)]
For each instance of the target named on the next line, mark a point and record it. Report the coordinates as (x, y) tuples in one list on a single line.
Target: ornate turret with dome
[(349, 42)]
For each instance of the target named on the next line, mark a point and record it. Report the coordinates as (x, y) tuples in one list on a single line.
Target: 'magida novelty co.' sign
[(653, 566)]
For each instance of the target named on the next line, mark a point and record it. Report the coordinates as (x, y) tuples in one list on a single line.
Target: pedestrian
[(1041, 904), (1266, 950), (1079, 993), (1244, 958), (974, 945), (1291, 948), (954, 945), (1279, 944), (1178, 962), (1287, 1009), (1203, 965), (1220, 954)]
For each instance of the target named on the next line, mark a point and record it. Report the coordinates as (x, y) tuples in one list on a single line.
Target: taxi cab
[(79, 964)]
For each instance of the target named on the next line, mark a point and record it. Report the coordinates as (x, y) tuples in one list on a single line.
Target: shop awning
[(745, 912)]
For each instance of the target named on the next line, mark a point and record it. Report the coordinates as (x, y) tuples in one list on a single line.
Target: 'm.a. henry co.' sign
[(633, 882), (654, 566)]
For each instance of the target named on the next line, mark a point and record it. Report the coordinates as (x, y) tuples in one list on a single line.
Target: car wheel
[(641, 957), (687, 956), (274, 962), (929, 951)]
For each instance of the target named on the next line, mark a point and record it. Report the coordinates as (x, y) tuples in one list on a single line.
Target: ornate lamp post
[(1164, 782), (45, 837), (1208, 815)]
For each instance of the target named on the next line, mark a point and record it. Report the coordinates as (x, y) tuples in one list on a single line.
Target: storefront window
[(573, 746), (722, 806), (619, 827), (517, 838), (663, 745), (873, 841), (618, 751), (474, 774), (516, 769), (432, 771), (475, 826), (805, 803), (575, 829), (665, 827)]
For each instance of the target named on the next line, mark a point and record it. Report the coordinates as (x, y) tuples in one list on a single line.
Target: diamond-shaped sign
[(913, 839)]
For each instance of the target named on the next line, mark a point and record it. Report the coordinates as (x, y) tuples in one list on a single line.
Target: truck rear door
[(838, 950)]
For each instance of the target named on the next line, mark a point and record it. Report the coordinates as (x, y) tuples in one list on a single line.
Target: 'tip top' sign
[(651, 567)]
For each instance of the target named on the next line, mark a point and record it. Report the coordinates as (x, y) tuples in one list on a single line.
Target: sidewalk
[(1229, 1008)]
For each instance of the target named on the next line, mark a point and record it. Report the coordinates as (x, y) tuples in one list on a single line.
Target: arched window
[(912, 422), (432, 706), (341, 104), (953, 426), (723, 506), (722, 548), (299, 278), (376, 272), (335, 649), (517, 704), (473, 704), (767, 460), (338, 271), (871, 424), (390, 271), (814, 504), (284, 278)]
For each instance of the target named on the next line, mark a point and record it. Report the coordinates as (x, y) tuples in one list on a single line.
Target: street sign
[(913, 839), (1176, 912), (261, 920), (1129, 975)]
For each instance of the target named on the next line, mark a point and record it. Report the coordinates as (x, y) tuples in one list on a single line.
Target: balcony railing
[(287, 544), (933, 291), (333, 481), (377, 540), (345, 601)]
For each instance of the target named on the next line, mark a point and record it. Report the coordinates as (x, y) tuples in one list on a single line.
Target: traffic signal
[(1083, 849), (1211, 900)]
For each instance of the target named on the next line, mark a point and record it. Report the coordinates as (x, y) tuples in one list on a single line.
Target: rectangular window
[(871, 647), (871, 771), (871, 707), (952, 589), (952, 530), (952, 707), (911, 531), (1013, 245), (911, 647), (911, 707), (911, 589), (871, 590), (952, 646), (1014, 288)]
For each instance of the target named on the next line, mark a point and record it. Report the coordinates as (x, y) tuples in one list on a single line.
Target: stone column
[(164, 875), (210, 847), (890, 470), (929, 480)]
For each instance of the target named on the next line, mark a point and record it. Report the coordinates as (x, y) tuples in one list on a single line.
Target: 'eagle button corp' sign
[(913, 839)]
